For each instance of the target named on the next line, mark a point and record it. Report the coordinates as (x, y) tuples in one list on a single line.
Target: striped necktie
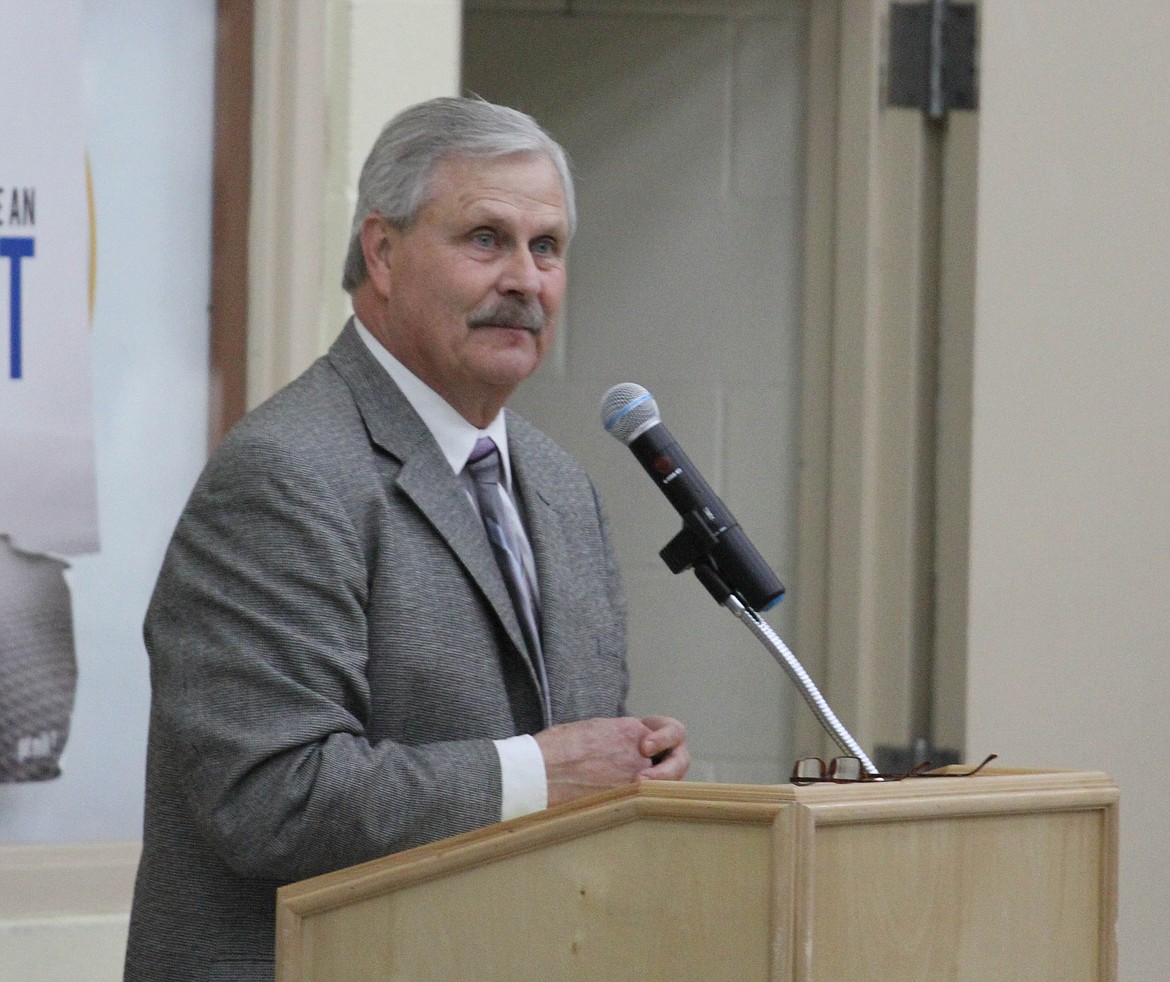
[(508, 540)]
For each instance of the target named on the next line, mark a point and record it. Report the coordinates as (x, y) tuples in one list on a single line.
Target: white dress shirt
[(522, 775)]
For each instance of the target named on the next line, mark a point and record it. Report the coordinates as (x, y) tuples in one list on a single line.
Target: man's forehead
[(528, 181)]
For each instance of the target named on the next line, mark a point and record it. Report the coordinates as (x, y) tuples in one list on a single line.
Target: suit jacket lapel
[(553, 553), (425, 477)]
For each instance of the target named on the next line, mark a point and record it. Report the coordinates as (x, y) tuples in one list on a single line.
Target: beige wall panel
[(1070, 517), (65, 910)]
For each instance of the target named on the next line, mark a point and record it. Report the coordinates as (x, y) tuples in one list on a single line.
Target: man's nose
[(520, 274)]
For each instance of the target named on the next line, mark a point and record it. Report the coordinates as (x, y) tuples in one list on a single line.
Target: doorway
[(686, 133)]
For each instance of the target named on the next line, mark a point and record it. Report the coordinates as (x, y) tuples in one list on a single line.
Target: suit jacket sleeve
[(258, 634)]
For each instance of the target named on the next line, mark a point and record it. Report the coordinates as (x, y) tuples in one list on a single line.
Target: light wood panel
[(1004, 876)]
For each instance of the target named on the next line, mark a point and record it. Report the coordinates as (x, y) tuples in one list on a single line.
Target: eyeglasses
[(848, 770)]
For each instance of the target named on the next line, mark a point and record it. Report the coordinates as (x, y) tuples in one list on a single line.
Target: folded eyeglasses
[(848, 770)]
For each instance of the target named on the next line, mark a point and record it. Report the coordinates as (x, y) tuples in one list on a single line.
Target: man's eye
[(544, 247), (484, 237)]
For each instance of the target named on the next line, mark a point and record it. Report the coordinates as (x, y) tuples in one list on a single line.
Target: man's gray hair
[(395, 180)]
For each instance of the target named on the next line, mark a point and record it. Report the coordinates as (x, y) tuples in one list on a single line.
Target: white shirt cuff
[(522, 778)]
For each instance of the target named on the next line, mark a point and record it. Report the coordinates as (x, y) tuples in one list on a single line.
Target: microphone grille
[(627, 410)]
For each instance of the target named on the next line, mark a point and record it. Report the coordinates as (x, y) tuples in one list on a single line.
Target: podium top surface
[(993, 791)]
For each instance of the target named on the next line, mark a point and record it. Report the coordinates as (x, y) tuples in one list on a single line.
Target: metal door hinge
[(932, 63)]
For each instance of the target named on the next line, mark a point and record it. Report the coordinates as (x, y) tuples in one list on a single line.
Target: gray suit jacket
[(332, 651)]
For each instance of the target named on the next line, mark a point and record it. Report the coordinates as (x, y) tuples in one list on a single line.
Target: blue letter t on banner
[(15, 249)]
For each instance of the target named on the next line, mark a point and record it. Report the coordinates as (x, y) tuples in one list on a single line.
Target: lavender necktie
[(508, 538)]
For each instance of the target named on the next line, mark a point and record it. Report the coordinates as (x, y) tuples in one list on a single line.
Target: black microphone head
[(628, 410)]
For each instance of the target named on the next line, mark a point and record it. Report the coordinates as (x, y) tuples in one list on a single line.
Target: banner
[(38, 668), (48, 499)]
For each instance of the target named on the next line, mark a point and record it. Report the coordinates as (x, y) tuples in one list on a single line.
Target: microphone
[(711, 540)]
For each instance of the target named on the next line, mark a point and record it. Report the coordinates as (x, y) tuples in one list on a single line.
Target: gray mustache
[(513, 313)]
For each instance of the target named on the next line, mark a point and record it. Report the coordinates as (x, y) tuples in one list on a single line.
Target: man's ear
[(378, 238)]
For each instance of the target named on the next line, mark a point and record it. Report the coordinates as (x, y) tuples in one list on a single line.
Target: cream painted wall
[(1070, 515)]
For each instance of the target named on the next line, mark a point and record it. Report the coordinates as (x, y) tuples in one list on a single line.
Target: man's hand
[(594, 754), (666, 746)]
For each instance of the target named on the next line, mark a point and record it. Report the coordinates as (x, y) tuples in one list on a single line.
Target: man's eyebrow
[(487, 217)]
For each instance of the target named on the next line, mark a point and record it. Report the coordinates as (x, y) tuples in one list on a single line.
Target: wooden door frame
[(884, 489), (231, 201)]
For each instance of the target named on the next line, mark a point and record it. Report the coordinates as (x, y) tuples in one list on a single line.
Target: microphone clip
[(725, 562), (694, 547), (697, 540)]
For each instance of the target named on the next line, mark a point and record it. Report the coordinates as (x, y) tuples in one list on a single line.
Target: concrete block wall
[(684, 121)]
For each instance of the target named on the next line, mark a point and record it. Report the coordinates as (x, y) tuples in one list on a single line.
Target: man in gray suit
[(340, 665)]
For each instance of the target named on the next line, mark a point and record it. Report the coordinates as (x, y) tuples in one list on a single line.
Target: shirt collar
[(455, 435)]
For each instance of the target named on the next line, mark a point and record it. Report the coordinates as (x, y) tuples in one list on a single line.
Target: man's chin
[(511, 364)]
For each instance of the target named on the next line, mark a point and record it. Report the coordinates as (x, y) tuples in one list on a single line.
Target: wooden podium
[(1001, 876)]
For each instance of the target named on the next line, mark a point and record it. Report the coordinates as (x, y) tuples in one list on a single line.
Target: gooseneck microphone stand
[(709, 576), (711, 541)]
